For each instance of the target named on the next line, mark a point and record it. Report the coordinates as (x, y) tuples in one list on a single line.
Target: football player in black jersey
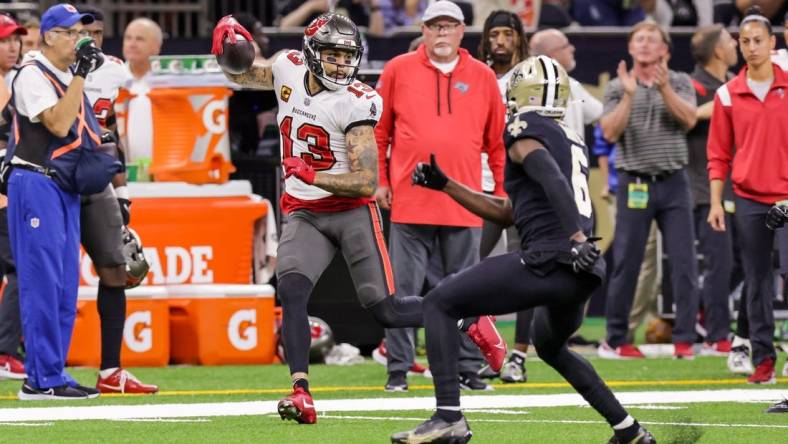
[(556, 271)]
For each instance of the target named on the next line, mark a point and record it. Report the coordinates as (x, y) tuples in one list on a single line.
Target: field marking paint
[(207, 410), (564, 421), (27, 424), (161, 420), (376, 388)]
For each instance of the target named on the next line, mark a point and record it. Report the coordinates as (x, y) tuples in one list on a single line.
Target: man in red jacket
[(437, 99)]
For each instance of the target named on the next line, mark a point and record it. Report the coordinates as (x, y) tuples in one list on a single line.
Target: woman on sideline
[(759, 132)]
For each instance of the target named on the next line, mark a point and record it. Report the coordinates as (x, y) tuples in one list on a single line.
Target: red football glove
[(227, 27), (295, 166)]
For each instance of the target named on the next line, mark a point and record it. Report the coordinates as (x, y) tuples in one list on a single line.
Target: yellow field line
[(377, 388)]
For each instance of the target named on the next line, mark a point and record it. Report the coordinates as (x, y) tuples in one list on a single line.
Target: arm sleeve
[(493, 137), (540, 166), (385, 126), (33, 93), (720, 142)]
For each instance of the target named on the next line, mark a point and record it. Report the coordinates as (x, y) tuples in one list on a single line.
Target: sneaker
[(419, 370), (397, 382), (381, 356), (764, 373), (683, 350), (778, 407), (298, 406), (514, 369), (624, 351), (61, 393), (471, 381), (435, 430), (90, 391), (11, 368), (580, 341), (122, 381), (739, 361), (643, 437), (487, 373), (719, 348), (493, 347)]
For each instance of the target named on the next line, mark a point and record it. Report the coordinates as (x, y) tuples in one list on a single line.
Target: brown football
[(236, 58)]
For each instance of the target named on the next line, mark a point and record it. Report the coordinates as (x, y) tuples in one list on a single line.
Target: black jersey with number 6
[(537, 222)]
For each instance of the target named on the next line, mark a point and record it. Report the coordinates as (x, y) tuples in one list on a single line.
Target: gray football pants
[(410, 248)]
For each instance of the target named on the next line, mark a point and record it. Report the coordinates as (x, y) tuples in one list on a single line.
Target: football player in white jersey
[(326, 120), (103, 217)]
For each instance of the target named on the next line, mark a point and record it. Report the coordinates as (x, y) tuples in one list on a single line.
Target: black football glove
[(89, 58), (777, 216), (585, 254), (430, 176), (125, 210)]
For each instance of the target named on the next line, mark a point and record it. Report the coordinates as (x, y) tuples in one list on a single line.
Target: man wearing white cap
[(440, 100)]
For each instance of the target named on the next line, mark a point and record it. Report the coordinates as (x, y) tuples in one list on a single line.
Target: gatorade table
[(193, 235)]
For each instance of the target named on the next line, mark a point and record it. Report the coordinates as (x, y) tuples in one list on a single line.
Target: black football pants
[(502, 284)]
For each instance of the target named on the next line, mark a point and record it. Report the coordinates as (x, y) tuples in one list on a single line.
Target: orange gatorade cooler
[(193, 234), (221, 324), (190, 138), (146, 332)]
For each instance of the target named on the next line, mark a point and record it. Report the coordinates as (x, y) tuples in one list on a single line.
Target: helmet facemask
[(332, 33), (538, 84)]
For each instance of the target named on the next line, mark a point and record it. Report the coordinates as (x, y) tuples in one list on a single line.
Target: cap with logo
[(63, 15), (443, 8), (8, 26)]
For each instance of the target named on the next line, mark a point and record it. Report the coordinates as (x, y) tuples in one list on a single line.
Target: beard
[(502, 58), (443, 51)]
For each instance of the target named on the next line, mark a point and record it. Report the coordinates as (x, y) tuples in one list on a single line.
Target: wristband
[(122, 192)]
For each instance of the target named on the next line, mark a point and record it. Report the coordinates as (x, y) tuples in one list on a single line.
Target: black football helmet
[(332, 31)]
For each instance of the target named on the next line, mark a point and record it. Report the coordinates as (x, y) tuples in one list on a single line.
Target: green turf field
[(182, 417)]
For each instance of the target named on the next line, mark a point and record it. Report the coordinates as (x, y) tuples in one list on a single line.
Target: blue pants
[(43, 224), (670, 204), (717, 250), (756, 242)]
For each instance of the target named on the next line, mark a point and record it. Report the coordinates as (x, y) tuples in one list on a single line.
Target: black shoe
[(580, 341), (778, 407), (435, 430), (472, 381), (643, 437), (63, 392), (513, 370), (487, 373), (92, 392), (397, 382)]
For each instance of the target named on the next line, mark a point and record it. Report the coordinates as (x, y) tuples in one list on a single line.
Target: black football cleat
[(643, 437), (435, 430), (778, 407)]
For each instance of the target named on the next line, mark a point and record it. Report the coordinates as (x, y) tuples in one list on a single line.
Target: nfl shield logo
[(35, 222)]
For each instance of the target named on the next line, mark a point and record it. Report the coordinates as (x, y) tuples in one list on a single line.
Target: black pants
[(502, 284), (10, 317), (717, 250), (757, 242), (669, 203)]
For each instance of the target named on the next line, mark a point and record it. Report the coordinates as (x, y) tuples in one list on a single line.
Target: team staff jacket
[(457, 116), (758, 134)]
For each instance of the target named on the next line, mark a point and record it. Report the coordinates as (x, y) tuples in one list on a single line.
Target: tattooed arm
[(362, 180), (260, 76)]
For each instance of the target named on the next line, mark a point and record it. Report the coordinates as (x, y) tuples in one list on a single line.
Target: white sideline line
[(564, 421), (207, 410), (27, 424)]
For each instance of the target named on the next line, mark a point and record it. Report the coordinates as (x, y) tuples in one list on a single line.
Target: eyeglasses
[(448, 27), (71, 33)]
